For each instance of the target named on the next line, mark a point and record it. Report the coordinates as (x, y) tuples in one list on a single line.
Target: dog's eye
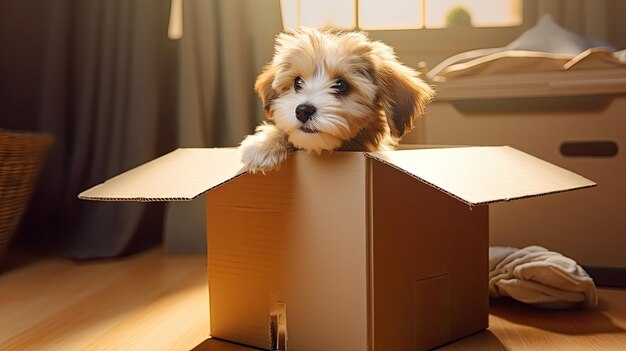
[(341, 86), (297, 84)]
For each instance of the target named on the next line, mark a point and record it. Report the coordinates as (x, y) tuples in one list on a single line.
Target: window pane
[(477, 13), (319, 13), (390, 14), (289, 12), (328, 13), (401, 14)]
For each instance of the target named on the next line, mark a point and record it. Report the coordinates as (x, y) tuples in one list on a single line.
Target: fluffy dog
[(327, 90)]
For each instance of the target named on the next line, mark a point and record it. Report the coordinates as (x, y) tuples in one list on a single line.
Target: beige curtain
[(224, 45)]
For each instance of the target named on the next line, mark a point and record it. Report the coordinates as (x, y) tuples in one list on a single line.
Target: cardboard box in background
[(575, 120), (349, 250)]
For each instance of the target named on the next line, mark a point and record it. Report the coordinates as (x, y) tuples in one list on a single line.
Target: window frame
[(433, 45), (442, 38)]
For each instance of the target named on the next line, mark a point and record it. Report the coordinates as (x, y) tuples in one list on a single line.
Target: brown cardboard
[(483, 175), (181, 175), (349, 250), (296, 236), (430, 255), (585, 108)]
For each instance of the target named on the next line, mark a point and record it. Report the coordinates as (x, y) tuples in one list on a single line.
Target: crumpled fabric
[(540, 277), (545, 47)]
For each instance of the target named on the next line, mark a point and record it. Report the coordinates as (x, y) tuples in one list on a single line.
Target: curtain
[(108, 96), (585, 17), (115, 93), (225, 43)]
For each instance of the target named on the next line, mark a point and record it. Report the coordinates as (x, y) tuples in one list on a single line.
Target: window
[(402, 14), (421, 31)]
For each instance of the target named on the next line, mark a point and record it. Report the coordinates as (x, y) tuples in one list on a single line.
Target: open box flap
[(474, 175), (181, 175), (484, 174)]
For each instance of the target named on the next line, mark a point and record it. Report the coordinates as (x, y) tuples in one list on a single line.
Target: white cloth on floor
[(537, 276)]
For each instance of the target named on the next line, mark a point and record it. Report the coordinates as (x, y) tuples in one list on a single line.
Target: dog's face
[(323, 89)]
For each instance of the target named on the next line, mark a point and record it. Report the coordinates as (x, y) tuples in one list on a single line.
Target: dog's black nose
[(304, 112)]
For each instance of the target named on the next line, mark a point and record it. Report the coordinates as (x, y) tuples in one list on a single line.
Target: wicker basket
[(21, 158)]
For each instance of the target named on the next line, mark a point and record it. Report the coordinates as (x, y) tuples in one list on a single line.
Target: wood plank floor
[(150, 301), (155, 301)]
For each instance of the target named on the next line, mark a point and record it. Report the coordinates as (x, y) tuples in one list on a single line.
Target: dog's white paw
[(260, 155)]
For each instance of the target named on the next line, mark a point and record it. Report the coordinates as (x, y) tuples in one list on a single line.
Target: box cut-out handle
[(589, 149), (278, 325)]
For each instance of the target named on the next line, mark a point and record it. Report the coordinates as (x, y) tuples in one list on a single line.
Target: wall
[(616, 24)]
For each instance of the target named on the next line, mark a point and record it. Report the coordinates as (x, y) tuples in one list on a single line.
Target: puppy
[(327, 90)]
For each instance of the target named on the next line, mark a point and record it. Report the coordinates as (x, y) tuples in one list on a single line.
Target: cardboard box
[(349, 250), (572, 119)]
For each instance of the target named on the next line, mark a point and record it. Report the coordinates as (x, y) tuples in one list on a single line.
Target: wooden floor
[(154, 301)]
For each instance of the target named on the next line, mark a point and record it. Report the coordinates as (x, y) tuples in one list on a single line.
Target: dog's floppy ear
[(263, 87), (403, 95)]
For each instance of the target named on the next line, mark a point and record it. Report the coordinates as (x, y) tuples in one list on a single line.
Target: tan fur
[(380, 107)]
